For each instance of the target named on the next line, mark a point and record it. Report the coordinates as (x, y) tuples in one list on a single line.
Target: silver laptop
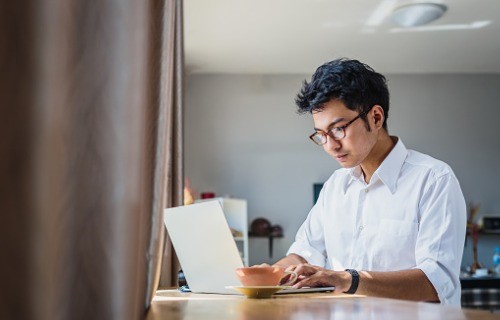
[(206, 249)]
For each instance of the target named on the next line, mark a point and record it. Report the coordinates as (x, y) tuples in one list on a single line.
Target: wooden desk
[(171, 304)]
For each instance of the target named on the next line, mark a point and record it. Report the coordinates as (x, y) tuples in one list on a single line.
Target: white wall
[(244, 139)]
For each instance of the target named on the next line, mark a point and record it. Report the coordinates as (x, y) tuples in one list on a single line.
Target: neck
[(380, 150)]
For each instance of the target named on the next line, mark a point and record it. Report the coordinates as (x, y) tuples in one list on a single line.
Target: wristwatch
[(355, 281)]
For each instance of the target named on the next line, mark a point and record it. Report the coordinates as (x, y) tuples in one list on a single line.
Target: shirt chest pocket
[(394, 244)]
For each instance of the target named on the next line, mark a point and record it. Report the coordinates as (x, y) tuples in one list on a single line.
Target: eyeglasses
[(336, 133)]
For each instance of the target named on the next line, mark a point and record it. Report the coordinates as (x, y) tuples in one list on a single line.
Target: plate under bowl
[(258, 292)]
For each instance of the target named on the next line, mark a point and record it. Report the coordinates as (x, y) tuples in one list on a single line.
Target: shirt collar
[(387, 172), (389, 169), (355, 174)]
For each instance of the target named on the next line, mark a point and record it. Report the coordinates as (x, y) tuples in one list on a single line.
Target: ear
[(378, 115)]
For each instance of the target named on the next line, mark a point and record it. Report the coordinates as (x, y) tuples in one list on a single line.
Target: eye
[(337, 130)]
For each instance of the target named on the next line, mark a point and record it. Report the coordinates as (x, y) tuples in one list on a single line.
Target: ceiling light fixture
[(417, 14), (445, 27)]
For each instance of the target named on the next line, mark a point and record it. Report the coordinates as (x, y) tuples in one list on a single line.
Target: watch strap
[(355, 281)]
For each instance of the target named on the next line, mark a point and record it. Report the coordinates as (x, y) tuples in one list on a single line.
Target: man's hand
[(314, 276)]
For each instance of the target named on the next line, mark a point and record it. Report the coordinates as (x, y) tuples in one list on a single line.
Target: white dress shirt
[(412, 214)]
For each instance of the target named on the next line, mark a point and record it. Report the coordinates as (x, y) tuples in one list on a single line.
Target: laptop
[(206, 249)]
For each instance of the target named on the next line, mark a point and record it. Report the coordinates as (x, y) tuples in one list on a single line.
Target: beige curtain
[(175, 144), (167, 98), (90, 154)]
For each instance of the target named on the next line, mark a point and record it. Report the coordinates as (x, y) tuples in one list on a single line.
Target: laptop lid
[(205, 246)]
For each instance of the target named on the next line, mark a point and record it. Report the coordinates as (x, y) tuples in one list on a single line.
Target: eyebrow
[(331, 124)]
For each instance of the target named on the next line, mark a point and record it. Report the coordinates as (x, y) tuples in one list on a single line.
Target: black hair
[(354, 83)]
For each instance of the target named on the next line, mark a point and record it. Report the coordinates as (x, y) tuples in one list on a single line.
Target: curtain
[(175, 144), (90, 154), (166, 138)]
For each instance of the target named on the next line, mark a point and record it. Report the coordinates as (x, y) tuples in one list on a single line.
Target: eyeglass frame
[(330, 134)]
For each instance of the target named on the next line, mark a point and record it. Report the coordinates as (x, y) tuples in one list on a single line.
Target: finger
[(309, 282), (305, 269), (319, 279), (289, 279), (301, 283), (299, 269), (285, 280)]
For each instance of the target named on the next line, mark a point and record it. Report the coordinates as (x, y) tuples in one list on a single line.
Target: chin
[(347, 165)]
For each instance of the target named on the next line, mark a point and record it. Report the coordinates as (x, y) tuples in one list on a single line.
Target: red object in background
[(261, 227), (207, 195), (276, 231)]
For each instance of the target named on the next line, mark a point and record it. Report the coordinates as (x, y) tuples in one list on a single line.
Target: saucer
[(258, 292)]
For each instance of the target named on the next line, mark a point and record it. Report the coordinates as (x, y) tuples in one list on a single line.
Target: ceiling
[(296, 36)]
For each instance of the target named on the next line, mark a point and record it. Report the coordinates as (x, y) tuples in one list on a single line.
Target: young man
[(391, 222)]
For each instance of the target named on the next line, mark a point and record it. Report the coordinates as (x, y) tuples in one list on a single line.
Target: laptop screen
[(205, 246)]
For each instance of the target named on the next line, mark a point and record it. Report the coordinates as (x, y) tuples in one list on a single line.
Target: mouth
[(341, 158)]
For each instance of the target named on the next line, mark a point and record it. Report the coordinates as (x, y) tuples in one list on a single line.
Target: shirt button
[(366, 190), (360, 228)]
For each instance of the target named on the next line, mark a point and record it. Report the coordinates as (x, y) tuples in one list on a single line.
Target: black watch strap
[(355, 281)]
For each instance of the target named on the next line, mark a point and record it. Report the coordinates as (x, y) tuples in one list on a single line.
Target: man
[(393, 218)]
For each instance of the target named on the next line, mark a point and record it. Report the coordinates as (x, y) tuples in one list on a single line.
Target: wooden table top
[(171, 304)]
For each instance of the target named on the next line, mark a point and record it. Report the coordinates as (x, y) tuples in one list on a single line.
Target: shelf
[(489, 233), (485, 233), (239, 239), (483, 282), (270, 237), (255, 236)]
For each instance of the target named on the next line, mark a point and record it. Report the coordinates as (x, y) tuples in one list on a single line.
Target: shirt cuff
[(311, 255), (442, 282)]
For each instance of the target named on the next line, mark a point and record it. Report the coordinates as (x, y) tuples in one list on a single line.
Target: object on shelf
[(491, 224), (496, 262), (276, 231), (261, 227), (473, 228), (481, 272), (207, 195), (189, 193), (236, 233)]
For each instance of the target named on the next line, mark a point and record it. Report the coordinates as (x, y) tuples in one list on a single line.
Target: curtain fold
[(165, 142), (91, 91), (175, 143)]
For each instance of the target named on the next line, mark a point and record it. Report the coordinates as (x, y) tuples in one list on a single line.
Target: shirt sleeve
[(441, 236), (310, 241)]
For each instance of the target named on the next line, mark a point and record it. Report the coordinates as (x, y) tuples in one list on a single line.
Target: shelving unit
[(235, 211), (485, 233), (270, 239)]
